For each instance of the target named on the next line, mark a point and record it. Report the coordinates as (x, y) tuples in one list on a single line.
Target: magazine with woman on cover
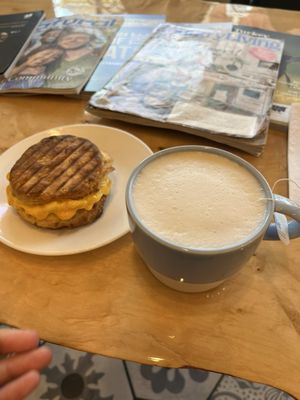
[(62, 54)]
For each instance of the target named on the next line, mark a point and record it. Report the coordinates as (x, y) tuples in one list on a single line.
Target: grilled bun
[(62, 181)]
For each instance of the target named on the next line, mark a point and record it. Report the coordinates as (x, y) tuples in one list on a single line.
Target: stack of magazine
[(62, 55), (212, 83)]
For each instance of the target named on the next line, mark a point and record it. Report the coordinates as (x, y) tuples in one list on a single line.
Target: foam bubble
[(199, 200)]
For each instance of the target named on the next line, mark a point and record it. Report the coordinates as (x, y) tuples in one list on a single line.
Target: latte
[(199, 200)]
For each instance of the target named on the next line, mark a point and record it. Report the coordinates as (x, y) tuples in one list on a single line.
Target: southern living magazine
[(62, 55), (214, 84), (287, 90)]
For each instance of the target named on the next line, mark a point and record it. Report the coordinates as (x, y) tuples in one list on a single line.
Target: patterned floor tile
[(231, 388), (155, 383), (82, 376)]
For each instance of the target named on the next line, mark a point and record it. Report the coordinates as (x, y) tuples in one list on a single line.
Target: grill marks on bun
[(60, 182), (58, 167)]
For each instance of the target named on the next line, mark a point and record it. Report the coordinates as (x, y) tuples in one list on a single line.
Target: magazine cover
[(15, 33), (135, 30), (62, 54), (217, 81), (132, 34), (288, 85)]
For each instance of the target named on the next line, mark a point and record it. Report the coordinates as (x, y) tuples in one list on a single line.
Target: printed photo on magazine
[(287, 89), (132, 34), (62, 54), (16, 31), (201, 79)]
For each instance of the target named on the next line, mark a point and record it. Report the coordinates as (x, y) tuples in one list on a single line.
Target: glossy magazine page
[(15, 33), (62, 54), (287, 89), (216, 81), (134, 31)]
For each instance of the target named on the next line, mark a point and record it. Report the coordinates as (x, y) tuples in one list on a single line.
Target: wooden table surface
[(107, 302)]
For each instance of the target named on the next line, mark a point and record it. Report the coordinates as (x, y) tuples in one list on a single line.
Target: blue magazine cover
[(135, 30)]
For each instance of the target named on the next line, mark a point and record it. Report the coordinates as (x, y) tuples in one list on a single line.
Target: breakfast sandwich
[(62, 181)]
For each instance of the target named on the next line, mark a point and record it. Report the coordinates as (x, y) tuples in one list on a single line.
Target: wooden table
[(105, 301)]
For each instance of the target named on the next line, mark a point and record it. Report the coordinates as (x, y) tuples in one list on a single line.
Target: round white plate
[(127, 152)]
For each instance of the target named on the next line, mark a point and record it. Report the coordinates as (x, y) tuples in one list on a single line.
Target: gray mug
[(193, 270)]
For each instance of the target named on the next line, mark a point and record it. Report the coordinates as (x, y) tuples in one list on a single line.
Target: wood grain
[(209, 11), (106, 301), (17, 6)]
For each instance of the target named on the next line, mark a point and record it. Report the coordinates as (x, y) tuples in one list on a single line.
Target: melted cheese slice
[(64, 209)]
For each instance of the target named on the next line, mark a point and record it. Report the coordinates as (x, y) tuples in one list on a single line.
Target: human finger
[(19, 388), (16, 341), (19, 364)]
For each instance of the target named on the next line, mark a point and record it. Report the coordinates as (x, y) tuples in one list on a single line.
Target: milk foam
[(198, 200)]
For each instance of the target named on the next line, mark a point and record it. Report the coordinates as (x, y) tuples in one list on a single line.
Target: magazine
[(62, 55), (132, 34), (215, 84), (287, 90), (15, 33), (135, 30)]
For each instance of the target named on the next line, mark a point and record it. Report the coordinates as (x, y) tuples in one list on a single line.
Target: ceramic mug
[(196, 270)]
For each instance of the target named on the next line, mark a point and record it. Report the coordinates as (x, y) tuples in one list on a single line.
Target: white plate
[(127, 152)]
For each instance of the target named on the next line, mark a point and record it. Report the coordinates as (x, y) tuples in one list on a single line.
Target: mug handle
[(286, 206)]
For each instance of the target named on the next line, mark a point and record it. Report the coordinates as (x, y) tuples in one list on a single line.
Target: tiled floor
[(157, 383), (83, 376), (235, 389)]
